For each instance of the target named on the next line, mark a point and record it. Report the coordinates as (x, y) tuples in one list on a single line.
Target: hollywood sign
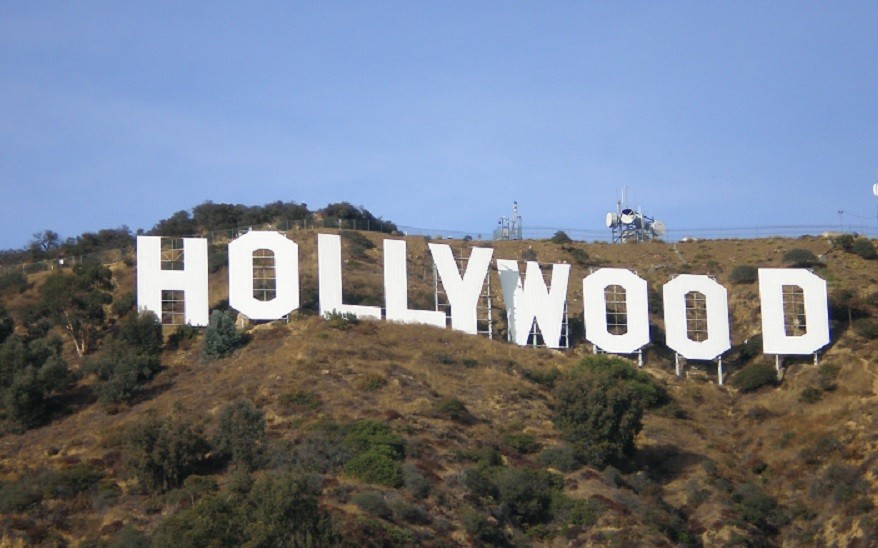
[(527, 301)]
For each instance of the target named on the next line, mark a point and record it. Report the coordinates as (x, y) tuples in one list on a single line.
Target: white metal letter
[(534, 301), (329, 275), (286, 271), (192, 280), (595, 310), (718, 338), (774, 337), (396, 289), (463, 292)]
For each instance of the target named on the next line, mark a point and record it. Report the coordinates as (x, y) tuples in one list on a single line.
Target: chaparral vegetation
[(332, 430)]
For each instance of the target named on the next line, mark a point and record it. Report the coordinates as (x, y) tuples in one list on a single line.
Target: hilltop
[(388, 434)]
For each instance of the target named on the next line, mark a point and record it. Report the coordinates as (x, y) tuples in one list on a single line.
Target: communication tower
[(509, 228), (629, 225)]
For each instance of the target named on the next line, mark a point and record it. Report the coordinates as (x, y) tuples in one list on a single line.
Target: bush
[(123, 304), (651, 394), (525, 495), (865, 249), (744, 274), (182, 336), (273, 511), (577, 255), (120, 369), (30, 373), (529, 254), (755, 376), (341, 321), (845, 242), (866, 328), (800, 258), (142, 330), (599, 414), (376, 452), (377, 465), (163, 451), (221, 337), (560, 458), (372, 502), (758, 508), (241, 433), (560, 237), (521, 443), (415, 482)]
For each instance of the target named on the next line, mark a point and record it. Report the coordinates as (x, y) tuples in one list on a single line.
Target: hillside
[(462, 439)]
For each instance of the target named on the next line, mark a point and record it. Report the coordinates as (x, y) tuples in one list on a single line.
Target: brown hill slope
[(714, 467)]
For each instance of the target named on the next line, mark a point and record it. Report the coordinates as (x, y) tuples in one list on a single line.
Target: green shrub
[(758, 508), (560, 237), (143, 331), (182, 336), (865, 249), (529, 254), (744, 274), (221, 337), (577, 255), (521, 443), (866, 328), (377, 465), (525, 495), (372, 502), (598, 414), (800, 258), (482, 530), (845, 242), (363, 435), (163, 451), (560, 458), (276, 510), (415, 481), (123, 305), (755, 376), (651, 394), (121, 369), (341, 321), (241, 433)]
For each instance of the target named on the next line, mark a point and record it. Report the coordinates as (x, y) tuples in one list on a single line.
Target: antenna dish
[(628, 216), (659, 229), (875, 189), (612, 220)]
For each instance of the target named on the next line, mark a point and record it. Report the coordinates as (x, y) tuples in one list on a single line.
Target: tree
[(75, 301), (560, 237)]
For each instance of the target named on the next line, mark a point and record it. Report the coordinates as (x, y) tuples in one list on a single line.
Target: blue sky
[(439, 114)]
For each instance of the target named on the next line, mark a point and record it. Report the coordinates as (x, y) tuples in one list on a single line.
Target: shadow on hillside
[(150, 391), (663, 463)]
